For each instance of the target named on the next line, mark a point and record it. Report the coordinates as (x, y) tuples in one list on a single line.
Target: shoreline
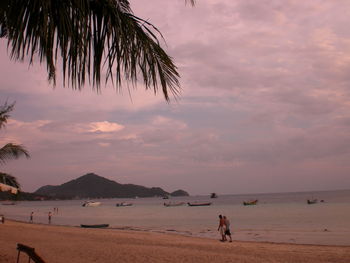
[(74, 244), (295, 237), (174, 232)]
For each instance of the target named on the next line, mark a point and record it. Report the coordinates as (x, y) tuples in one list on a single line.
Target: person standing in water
[(31, 217), (50, 215), (221, 228), (227, 228)]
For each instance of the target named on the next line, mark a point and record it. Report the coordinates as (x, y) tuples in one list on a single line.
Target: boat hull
[(311, 202), (251, 202), (95, 226), (173, 204), (8, 203), (91, 204), (123, 204), (198, 204)]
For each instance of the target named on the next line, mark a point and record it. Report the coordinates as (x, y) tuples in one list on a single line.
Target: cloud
[(105, 126), (104, 144), (265, 99), (164, 122)]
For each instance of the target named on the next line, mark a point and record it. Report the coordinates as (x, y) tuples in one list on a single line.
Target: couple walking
[(224, 228)]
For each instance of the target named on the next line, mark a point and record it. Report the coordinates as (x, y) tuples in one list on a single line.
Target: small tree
[(9, 151)]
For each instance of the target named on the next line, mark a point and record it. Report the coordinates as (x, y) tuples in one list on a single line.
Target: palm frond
[(192, 2), (9, 180), (3, 20), (12, 151), (93, 39), (4, 110)]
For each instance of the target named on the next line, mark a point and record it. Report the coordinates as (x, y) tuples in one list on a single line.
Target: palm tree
[(85, 37), (9, 151), (9, 180)]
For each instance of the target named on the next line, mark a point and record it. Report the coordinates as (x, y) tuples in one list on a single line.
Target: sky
[(264, 105)]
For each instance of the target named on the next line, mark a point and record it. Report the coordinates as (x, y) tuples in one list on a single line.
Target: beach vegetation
[(9, 151)]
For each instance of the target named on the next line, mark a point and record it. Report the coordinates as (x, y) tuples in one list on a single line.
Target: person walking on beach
[(227, 228), (221, 228), (31, 217), (50, 215)]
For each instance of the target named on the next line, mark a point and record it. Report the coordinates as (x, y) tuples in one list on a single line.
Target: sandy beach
[(73, 244)]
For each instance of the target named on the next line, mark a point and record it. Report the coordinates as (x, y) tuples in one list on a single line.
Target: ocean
[(279, 217)]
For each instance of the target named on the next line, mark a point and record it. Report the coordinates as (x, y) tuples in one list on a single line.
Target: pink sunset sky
[(264, 107)]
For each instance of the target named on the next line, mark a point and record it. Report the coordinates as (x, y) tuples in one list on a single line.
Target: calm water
[(277, 217)]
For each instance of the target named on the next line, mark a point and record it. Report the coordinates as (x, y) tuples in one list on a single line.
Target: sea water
[(284, 217)]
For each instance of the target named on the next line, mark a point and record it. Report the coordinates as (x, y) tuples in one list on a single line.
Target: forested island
[(91, 186)]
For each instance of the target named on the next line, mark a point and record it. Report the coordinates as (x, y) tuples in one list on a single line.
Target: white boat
[(91, 203)]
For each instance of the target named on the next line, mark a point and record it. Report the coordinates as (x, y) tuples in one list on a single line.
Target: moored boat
[(8, 203), (254, 202), (95, 226), (123, 204), (213, 195), (312, 201), (173, 204), (91, 203), (198, 204)]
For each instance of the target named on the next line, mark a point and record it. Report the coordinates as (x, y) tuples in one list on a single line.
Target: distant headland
[(94, 186)]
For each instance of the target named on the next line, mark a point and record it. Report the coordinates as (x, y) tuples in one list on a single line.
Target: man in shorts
[(227, 228), (221, 228)]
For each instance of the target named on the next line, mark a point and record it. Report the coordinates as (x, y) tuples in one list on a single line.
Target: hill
[(93, 186), (179, 193)]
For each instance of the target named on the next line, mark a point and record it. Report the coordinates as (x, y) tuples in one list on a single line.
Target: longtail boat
[(250, 202), (95, 226), (310, 202), (198, 204), (213, 195), (123, 204), (91, 203), (174, 204)]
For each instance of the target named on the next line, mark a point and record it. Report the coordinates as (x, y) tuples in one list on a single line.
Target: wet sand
[(73, 244)]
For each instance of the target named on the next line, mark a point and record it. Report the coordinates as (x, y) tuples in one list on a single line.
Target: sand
[(72, 244)]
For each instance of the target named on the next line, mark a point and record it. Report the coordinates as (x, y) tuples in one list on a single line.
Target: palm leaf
[(192, 2), (93, 39), (12, 151), (9, 180), (4, 110), (3, 20)]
